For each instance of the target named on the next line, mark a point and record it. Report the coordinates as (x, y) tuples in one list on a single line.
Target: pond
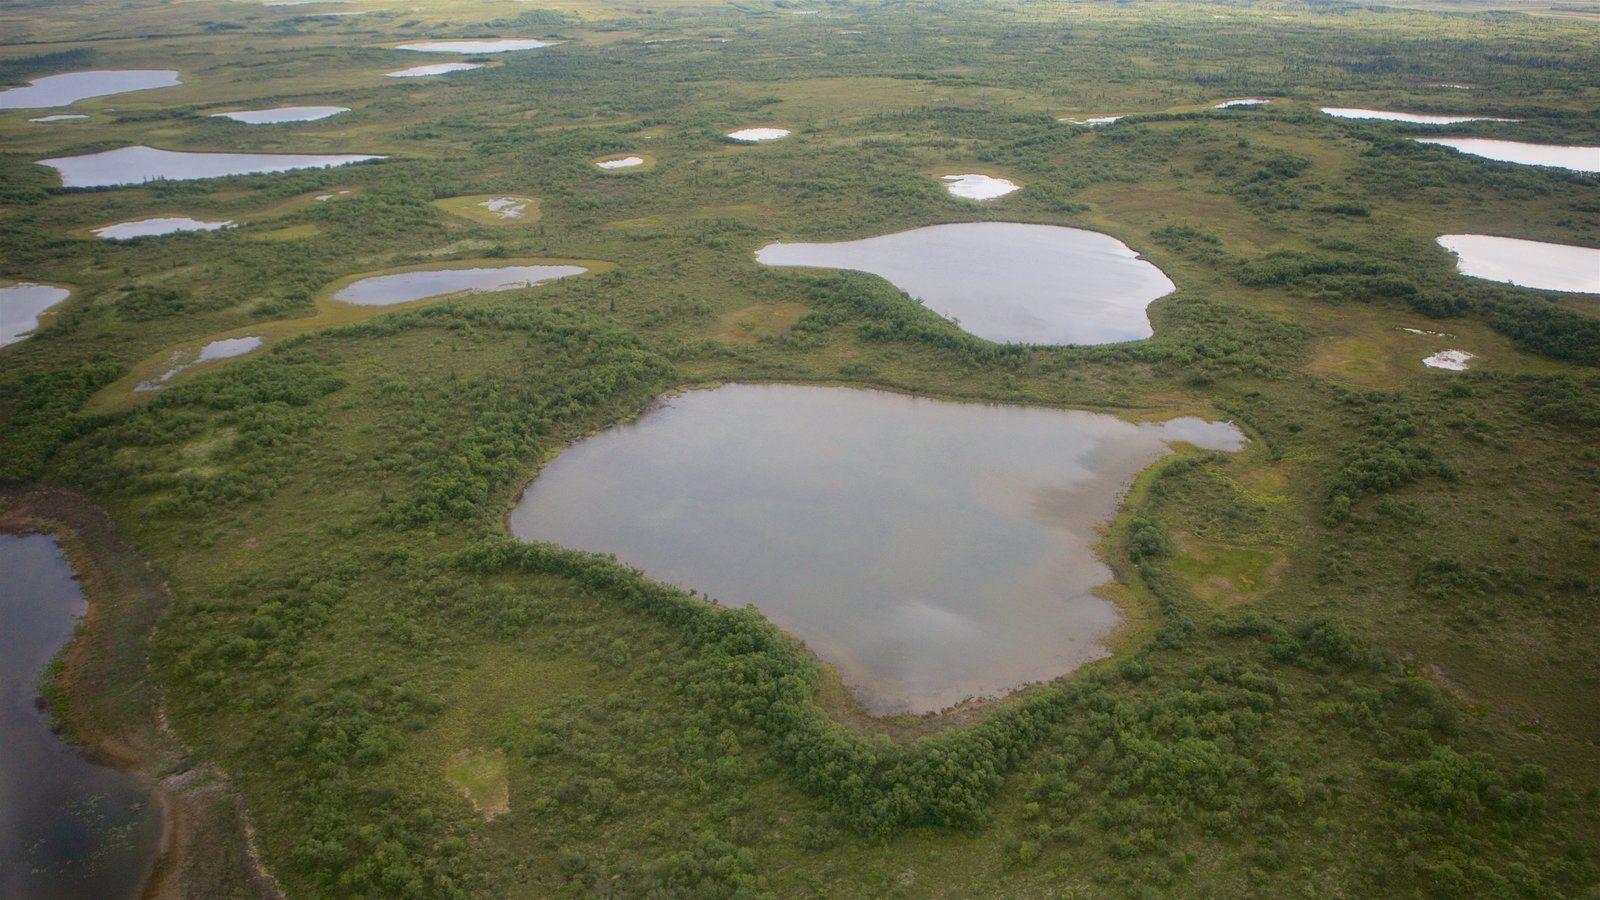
[(227, 348), (282, 114), (123, 231), (435, 69), (626, 162), (65, 90), (1247, 101), (1006, 282), (137, 165), (1094, 120), (929, 551), (754, 135), (1578, 159), (1341, 112), (1450, 360), (68, 827), (404, 287), (505, 45), (978, 187), (48, 120), (21, 305), (1531, 264)]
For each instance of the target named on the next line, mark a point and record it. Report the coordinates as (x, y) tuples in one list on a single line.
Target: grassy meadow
[(1361, 656)]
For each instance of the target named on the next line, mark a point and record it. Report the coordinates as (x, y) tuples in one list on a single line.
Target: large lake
[(137, 165), (404, 287), (930, 551), (1578, 159), (21, 305), (1532, 264), (68, 827), (64, 90), (1006, 282)]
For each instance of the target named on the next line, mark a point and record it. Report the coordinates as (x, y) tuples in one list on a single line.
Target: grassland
[(1363, 660)]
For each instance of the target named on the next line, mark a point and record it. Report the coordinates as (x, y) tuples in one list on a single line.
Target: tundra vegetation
[(1361, 658)]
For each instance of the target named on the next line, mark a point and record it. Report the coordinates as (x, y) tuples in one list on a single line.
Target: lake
[(929, 551), (21, 305), (282, 114), (978, 187), (1578, 159), (505, 45), (1006, 282), (65, 90), (123, 231), (404, 287), (68, 827), (435, 69), (1531, 264), (137, 165), (1410, 118)]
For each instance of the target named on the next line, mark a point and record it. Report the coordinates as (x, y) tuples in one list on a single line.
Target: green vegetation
[(1364, 661)]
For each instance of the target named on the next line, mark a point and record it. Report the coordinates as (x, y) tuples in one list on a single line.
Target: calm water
[(978, 187), (64, 90), (505, 45), (282, 114), (435, 69), (47, 120), (929, 551), (1578, 159), (136, 165), (626, 162), (1025, 284), (1533, 264), (155, 227), (754, 135), (68, 828), (20, 308), (404, 287), (1410, 118), (227, 348)]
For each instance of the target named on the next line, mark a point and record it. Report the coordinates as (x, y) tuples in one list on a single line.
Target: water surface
[(752, 135), (46, 120), (626, 162), (20, 308), (1094, 120), (1532, 264), (65, 90), (68, 828), (1032, 284), (505, 45), (508, 207), (1452, 360), (123, 231), (930, 551), (978, 187), (282, 114), (1247, 101), (137, 165), (435, 69), (227, 348), (1578, 159), (1411, 118), (404, 287)]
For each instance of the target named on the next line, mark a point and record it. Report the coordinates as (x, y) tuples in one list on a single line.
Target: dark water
[(930, 551), (68, 827), (1004, 281)]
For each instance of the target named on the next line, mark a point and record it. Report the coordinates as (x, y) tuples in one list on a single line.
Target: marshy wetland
[(917, 444)]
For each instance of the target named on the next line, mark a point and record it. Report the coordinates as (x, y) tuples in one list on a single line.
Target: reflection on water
[(404, 287), (68, 828), (136, 165), (64, 90), (930, 551), (1025, 284)]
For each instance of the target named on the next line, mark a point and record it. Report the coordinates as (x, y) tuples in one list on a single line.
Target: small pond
[(1531, 264), (1246, 101), (68, 827), (626, 162), (1094, 120), (755, 135), (1341, 112), (1578, 159), (227, 348), (405, 287), (930, 551), (48, 120), (508, 207), (978, 187), (282, 114), (123, 231), (1006, 282), (435, 69), (137, 165), (21, 305), (505, 45), (1451, 360), (65, 90)]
